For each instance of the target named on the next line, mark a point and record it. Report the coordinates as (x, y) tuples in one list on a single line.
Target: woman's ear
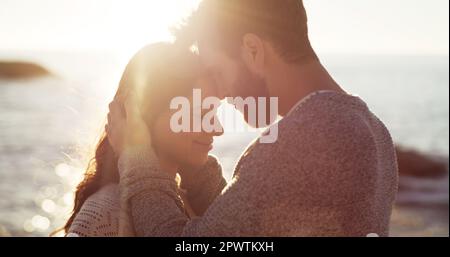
[(253, 53)]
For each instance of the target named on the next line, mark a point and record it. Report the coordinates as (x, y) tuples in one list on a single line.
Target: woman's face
[(185, 149)]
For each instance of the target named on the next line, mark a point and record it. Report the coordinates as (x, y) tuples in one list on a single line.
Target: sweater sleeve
[(156, 207)]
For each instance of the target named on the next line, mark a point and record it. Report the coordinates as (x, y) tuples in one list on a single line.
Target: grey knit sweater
[(332, 172)]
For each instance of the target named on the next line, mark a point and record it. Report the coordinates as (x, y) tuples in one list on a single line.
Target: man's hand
[(126, 128)]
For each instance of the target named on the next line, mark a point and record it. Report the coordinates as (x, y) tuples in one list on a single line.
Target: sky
[(414, 27)]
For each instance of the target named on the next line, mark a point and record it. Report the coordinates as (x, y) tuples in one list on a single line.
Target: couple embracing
[(331, 171)]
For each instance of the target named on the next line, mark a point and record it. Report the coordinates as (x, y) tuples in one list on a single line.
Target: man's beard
[(248, 84)]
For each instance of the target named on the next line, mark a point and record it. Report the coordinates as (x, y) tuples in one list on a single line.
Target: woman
[(157, 74)]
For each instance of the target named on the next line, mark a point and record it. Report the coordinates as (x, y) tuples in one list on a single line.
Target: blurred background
[(60, 62)]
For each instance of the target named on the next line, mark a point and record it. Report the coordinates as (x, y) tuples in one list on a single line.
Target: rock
[(417, 164), (21, 70)]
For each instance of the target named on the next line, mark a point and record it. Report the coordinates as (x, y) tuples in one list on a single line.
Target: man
[(332, 170)]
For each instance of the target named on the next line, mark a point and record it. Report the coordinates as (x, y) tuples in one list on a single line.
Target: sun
[(147, 21)]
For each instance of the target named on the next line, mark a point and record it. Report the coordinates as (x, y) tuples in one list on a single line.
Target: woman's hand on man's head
[(126, 129)]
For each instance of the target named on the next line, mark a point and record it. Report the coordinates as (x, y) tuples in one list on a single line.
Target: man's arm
[(157, 210)]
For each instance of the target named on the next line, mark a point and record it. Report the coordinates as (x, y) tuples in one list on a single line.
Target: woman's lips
[(205, 146)]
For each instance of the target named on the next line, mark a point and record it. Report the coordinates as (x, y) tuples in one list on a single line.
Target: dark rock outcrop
[(417, 164), (22, 70)]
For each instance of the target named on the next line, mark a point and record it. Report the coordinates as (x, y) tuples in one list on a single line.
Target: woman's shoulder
[(99, 215)]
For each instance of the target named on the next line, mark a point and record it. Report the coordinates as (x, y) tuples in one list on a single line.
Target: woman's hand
[(126, 129)]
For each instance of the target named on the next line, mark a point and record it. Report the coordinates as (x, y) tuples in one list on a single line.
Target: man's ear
[(253, 53)]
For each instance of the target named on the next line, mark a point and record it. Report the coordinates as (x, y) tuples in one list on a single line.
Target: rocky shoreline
[(22, 70), (417, 164)]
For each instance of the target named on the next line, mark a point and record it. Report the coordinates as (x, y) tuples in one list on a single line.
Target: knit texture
[(99, 215)]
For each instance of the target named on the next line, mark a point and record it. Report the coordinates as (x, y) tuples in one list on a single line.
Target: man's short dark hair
[(223, 23)]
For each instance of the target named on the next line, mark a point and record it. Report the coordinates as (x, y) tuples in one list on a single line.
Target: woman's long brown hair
[(157, 73)]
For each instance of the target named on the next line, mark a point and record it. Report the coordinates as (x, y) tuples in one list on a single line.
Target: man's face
[(233, 77)]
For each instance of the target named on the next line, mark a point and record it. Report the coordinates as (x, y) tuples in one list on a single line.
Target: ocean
[(49, 125)]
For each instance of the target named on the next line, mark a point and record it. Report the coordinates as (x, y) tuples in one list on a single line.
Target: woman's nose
[(218, 133)]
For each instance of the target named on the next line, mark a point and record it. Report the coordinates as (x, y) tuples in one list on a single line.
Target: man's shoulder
[(327, 115), (327, 126)]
